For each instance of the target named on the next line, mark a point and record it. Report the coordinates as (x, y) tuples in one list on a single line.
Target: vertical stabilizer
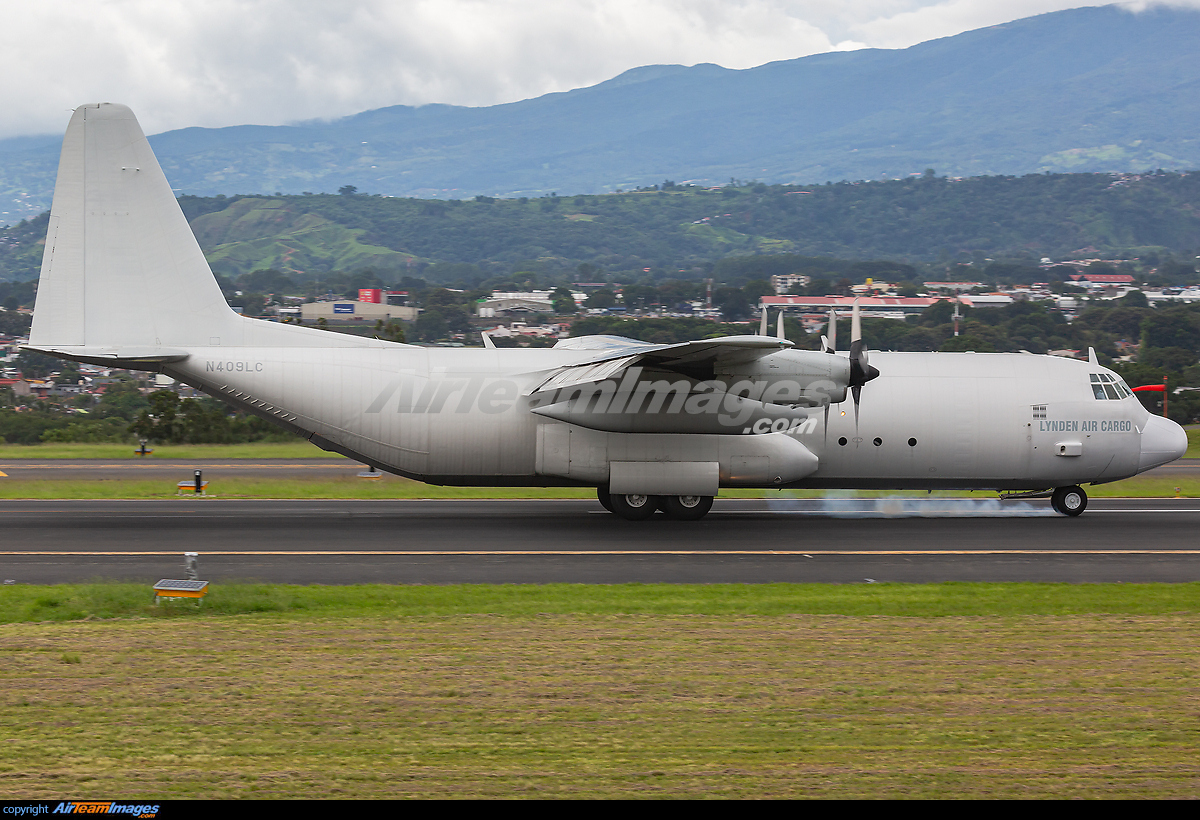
[(121, 266)]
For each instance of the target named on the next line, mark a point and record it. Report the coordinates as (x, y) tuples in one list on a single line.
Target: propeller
[(861, 370), (762, 324), (779, 327), (829, 344)]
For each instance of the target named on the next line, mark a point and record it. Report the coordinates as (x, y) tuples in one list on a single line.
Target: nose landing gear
[(1069, 500)]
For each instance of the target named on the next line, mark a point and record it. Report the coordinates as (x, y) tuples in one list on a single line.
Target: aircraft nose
[(1163, 441)]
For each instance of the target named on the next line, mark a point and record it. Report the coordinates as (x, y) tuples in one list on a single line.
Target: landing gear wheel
[(686, 507), (604, 498), (634, 507), (1069, 500)]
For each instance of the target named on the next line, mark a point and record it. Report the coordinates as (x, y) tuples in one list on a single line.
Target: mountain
[(1090, 89)]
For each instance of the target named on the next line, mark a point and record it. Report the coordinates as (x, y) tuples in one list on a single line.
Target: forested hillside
[(931, 221)]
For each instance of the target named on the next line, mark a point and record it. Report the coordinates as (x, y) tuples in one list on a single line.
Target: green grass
[(272, 449), (67, 602), (625, 692), (1193, 434)]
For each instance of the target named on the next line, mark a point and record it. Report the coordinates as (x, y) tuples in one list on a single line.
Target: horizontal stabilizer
[(113, 356)]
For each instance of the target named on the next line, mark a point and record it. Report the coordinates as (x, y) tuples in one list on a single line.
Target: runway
[(518, 541)]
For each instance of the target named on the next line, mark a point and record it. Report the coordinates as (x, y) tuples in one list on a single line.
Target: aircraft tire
[(686, 507), (634, 507), (604, 498), (1070, 501)]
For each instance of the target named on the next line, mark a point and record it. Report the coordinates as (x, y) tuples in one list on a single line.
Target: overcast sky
[(228, 62)]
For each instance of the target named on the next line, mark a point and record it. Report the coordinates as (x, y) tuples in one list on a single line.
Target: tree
[(348, 190), (732, 302), (564, 302), (1172, 327), (160, 422), (601, 298), (394, 331)]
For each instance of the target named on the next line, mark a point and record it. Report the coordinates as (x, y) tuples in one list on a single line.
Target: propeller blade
[(856, 390), (832, 330), (779, 328), (861, 370), (762, 325)]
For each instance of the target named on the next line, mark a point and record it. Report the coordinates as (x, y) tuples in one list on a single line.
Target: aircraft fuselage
[(466, 416)]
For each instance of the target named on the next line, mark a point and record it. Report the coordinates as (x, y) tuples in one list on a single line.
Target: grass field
[(272, 449), (949, 690)]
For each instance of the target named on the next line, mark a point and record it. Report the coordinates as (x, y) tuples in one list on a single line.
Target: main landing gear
[(638, 507), (1069, 501)]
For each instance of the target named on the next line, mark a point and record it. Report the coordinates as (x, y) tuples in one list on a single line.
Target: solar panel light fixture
[(196, 485), (191, 587)]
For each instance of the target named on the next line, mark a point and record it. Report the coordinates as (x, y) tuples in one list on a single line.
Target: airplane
[(653, 427)]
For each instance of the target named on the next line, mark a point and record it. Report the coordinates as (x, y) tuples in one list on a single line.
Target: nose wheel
[(1069, 501)]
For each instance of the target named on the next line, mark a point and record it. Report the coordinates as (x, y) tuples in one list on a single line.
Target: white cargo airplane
[(651, 426)]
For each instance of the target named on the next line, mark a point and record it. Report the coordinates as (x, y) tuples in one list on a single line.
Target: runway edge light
[(192, 587)]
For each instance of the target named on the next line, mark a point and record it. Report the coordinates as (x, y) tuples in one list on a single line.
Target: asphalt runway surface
[(521, 541)]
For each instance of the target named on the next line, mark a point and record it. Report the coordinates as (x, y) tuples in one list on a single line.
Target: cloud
[(222, 62)]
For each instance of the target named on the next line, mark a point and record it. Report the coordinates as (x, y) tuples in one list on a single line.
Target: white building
[(350, 311)]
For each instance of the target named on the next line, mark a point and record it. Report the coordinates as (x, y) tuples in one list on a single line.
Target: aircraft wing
[(615, 353)]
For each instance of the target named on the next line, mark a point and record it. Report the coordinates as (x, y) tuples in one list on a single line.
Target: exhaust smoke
[(899, 506)]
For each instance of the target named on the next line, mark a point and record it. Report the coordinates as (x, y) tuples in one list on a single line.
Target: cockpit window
[(1105, 386)]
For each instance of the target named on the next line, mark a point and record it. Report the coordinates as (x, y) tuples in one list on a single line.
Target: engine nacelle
[(809, 378)]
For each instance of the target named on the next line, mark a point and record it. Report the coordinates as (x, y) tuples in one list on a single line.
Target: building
[(870, 305), (881, 306), (512, 303), (786, 282), (1103, 278), (348, 311), (957, 287)]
